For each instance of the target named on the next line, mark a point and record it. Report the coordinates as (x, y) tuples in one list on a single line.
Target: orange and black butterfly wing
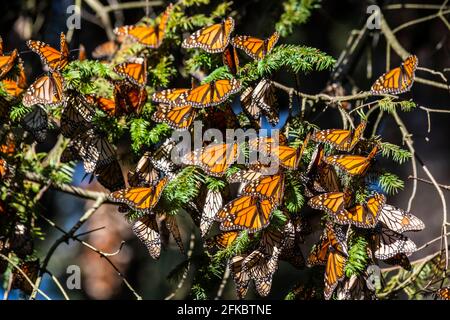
[(231, 59), (212, 39), (47, 90), (334, 271), (105, 50), (134, 71), (240, 276), (7, 62), (246, 213), (364, 215), (444, 293), (128, 98), (211, 94), (146, 229), (105, 104), (357, 134), (170, 96), (140, 198), (333, 203), (150, 36), (110, 176), (254, 47), (214, 159), (352, 164), (224, 240), (267, 187), (54, 59), (177, 117), (397, 80)]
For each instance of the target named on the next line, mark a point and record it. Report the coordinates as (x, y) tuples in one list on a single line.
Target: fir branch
[(399, 155), (357, 256), (296, 12), (390, 183), (294, 58)]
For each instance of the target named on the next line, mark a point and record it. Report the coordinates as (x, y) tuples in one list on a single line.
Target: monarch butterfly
[(212, 39), (176, 117), (211, 94), (147, 35), (254, 47), (246, 213), (213, 203), (77, 115), (387, 243), (94, 149), (231, 59), (128, 98), (261, 99), (105, 104), (105, 50), (260, 267), (444, 293), (351, 164), (322, 177), (342, 140), (397, 80), (355, 288), (169, 96), (140, 198), (110, 176), (331, 251), (144, 174), (400, 259), (47, 90), (271, 239), (161, 158), (214, 159), (287, 157), (134, 71), (223, 240), (245, 176), (333, 203), (241, 278), (170, 222), (146, 229), (267, 187), (11, 87), (55, 60), (7, 62), (36, 122), (363, 215), (400, 221), (257, 266), (290, 249)]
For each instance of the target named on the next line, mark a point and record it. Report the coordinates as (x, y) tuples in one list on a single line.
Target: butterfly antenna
[(26, 51), (147, 8)]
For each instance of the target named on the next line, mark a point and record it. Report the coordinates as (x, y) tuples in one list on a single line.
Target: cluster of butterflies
[(261, 192)]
